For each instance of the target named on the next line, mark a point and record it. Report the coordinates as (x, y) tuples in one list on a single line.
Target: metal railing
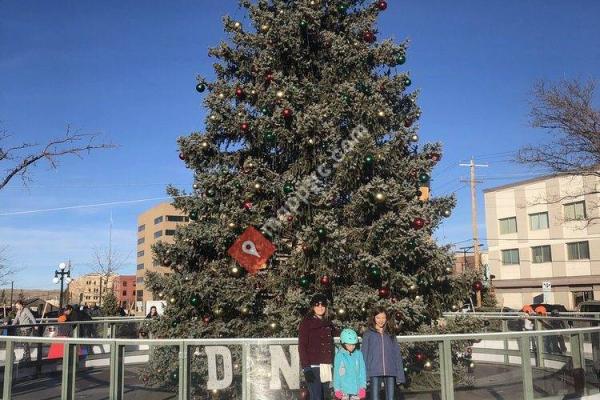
[(579, 365)]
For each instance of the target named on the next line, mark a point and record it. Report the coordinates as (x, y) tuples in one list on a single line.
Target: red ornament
[(269, 78), (239, 92), (381, 5), (181, 156), (369, 37), (244, 127), (290, 218), (287, 113), (477, 286), (325, 281), (408, 122), (420, 357), (418, 223), (248, 205), (206, 318), (435, 157), (304, 394), (384, 292)]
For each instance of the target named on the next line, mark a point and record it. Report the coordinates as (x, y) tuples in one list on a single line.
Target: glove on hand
[(309, 375), (339, 394), (362, 393)]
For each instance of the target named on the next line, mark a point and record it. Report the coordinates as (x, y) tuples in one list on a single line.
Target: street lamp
[(61, 275)]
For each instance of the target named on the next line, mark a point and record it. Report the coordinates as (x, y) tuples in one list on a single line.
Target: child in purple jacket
[(382, 355)]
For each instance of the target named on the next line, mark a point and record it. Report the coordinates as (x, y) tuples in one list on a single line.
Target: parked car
[(590, 306)]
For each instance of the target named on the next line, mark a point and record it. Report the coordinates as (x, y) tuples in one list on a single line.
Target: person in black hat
[(315, 346)]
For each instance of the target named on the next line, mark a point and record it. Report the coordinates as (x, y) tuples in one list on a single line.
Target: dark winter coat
[(315, 341), (382, 355)]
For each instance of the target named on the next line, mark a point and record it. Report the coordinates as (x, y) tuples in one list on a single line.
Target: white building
[(537, 232)]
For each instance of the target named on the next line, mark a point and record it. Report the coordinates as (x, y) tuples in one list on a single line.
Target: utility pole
[(476, 250)]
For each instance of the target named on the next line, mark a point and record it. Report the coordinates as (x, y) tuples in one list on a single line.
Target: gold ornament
[(237, 25), (379, 196), (257, 186), (381, 113), (279, 93), (264, 27)]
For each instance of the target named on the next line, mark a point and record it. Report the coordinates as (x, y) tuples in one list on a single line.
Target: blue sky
[(127, 69)]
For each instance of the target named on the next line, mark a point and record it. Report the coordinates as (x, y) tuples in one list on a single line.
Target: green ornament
[(175, 376), (342, 7), (407, 81), (423, 177), (321, 233), (266, 111), (211, 192), (304, 282), (347, 99), (400, 59), (374, 272), (288, 188), (201, 87), (193, 215), (174, 323), (369, 160), (303, 24), (270, 136), (194, 301)]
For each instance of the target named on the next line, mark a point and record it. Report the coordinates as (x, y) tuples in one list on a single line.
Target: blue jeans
[(317, 389), (388, 381)]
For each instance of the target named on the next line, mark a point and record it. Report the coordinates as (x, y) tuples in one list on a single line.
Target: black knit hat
[(318, 298)]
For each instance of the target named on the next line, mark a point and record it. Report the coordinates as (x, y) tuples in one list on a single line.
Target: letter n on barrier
[(213, 381), (289, 370)]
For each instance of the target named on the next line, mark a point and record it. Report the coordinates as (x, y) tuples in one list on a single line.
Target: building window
[(140, 279), (580, 297), (578, 251), (169, 232), (141, 228), (140, 295), (508, 225), (157, 234), (541, 254), (538, 221), (140, 253), (124, 292), (510, 257), (575, 211), (177, 218), (140, 266), (158, 220), (141, 240)]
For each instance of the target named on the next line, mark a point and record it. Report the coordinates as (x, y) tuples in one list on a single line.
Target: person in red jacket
[(315, 346)]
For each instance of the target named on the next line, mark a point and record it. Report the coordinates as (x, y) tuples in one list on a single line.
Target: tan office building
[(156, 224), (89, 289), (539, 244)]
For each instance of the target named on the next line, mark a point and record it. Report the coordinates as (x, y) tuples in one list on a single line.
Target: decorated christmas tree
[(308, 177)]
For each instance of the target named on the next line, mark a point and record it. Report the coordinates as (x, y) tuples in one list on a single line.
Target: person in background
[(153, 314), (382, 355), (75, 315), (24, 317), (315, 346)]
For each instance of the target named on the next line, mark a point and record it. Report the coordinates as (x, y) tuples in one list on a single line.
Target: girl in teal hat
[(349, 371)]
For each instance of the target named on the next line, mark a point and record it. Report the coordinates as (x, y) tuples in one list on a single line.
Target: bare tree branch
[(565, 112), (23, 156), (5, 270)]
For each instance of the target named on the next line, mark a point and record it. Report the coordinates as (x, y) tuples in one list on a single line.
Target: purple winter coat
[(382, 355)]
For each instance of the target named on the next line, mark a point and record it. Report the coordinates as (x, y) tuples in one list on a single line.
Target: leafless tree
[(566, 113), (20, 157), (5, 270), (107, 262)]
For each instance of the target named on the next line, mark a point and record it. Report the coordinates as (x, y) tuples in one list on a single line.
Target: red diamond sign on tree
[(252, 250)]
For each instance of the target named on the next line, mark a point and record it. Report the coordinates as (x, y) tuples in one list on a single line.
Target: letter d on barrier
[(289, 370), (213, 381)]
